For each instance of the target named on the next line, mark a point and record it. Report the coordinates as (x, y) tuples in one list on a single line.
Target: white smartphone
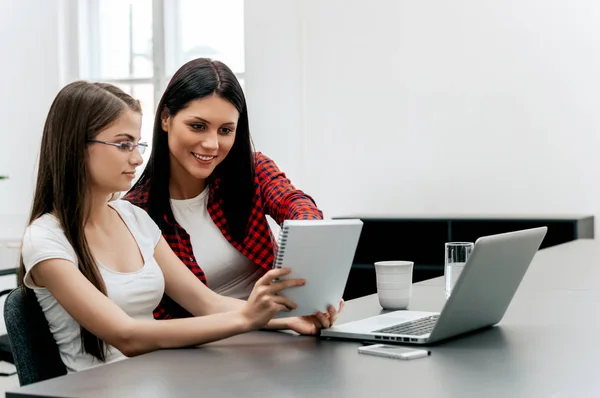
[(393, 351)]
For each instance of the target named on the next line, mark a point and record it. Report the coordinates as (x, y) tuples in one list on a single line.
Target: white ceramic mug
[(394, 284)]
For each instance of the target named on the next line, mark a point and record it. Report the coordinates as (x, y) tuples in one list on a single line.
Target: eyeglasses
[(125, 146)]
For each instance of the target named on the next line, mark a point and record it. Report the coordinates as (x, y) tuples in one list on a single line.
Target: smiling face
[(200, 136), (112, 168)]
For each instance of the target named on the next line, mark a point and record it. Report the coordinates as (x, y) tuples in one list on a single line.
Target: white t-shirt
[(137, 293), (228, 272)]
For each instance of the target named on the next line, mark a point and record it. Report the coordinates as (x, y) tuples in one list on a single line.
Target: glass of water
[(457, 254)]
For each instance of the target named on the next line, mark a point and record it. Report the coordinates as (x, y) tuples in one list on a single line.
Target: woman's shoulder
[(45, 238), (127, 209), (43, 226), (264, 165), (261, 158), (135, 215)]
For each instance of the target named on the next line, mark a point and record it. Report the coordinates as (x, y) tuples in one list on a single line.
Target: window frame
[(165, 36)]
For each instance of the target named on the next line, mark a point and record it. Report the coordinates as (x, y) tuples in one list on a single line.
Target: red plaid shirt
[(275, 196)]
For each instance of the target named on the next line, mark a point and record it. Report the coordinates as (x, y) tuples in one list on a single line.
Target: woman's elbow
[(127, 342), (130, 349)]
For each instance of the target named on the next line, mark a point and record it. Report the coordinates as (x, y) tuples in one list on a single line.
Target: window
[(138, 44)]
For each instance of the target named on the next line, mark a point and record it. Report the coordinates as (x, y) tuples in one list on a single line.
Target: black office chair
[(34, 350), (5, 350)]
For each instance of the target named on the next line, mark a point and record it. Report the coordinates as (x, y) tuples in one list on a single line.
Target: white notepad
[(321, 252)]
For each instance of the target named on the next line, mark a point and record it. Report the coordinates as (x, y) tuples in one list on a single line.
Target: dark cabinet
[(421, 239)]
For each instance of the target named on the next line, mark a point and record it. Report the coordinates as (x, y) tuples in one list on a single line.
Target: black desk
[(545, 346), (421, 238)]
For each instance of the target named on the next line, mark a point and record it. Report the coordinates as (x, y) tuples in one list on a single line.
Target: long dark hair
[(79, 112), (197, 79)]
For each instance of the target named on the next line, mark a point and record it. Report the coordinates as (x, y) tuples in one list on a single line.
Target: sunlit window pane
[(213, 29), (125, 39)]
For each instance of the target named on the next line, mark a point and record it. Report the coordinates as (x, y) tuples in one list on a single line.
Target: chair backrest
[(34, 349)]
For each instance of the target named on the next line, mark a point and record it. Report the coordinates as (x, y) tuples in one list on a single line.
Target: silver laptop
[(479, 298)]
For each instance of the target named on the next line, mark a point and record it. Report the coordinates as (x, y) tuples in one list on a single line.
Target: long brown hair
[(80, 111)]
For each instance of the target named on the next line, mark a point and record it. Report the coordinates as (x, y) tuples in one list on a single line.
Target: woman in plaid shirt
[(209, 192)]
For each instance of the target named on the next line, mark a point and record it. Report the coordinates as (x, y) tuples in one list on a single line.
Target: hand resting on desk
[(308, 325)]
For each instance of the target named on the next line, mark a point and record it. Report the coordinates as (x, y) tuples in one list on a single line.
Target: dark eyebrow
[(207, 122), (126, 136)]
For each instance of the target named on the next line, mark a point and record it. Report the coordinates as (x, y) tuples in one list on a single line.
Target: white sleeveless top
[(228, 272), (137, 293)]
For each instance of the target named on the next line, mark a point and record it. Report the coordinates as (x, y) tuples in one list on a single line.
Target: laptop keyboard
[(417, 327)]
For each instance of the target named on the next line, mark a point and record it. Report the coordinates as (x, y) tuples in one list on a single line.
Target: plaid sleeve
[(281, 199)]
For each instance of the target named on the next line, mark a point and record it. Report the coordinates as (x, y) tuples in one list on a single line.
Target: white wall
[(399, 107), (433, 106), (29, 80), (274, 82)]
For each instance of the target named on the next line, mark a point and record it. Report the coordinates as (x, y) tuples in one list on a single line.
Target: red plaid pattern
[(275, 196)]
